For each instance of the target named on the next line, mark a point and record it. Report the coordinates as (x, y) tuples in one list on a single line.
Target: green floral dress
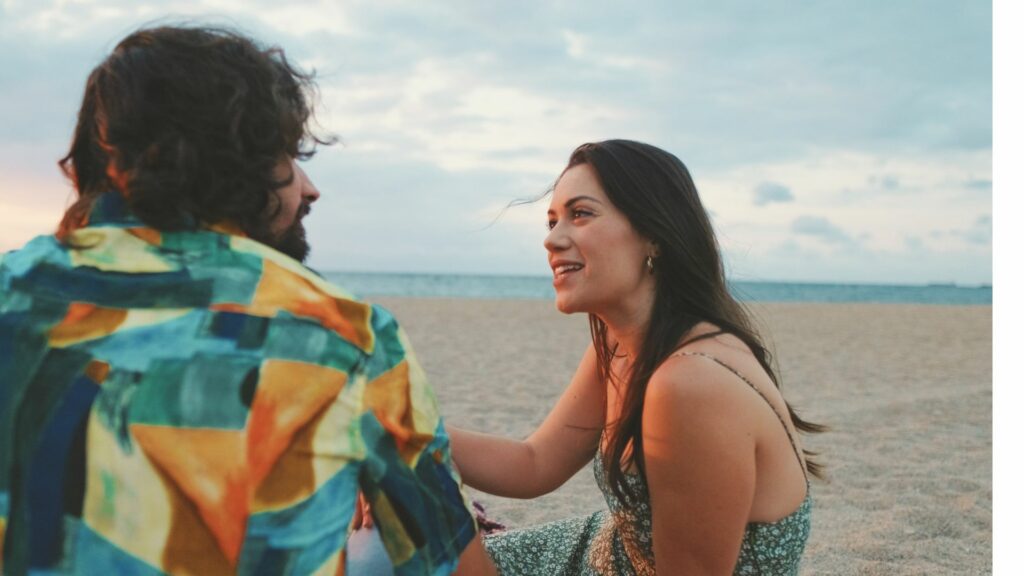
[(618, 541)]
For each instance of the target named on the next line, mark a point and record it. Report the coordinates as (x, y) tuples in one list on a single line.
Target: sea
[(368, 284)]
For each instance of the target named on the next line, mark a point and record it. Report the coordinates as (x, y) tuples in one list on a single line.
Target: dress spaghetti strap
[(782, 421)]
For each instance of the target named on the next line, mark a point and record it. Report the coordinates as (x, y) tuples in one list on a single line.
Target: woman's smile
[(563, 270)]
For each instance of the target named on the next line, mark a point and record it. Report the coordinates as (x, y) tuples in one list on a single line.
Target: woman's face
[(597, 257)]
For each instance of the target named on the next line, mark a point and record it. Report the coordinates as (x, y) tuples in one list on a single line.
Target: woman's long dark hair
[(194, 121), (656, 193)]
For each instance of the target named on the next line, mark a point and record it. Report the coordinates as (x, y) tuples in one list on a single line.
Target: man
[(178, 394)]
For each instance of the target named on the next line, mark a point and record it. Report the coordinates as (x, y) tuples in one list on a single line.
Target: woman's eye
[(551, 224), (579, 213)]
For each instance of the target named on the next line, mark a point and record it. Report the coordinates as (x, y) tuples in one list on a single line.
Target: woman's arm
[(699, 453), (562, 445)]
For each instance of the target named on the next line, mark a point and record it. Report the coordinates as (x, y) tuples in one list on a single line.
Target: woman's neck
[(627, 327)]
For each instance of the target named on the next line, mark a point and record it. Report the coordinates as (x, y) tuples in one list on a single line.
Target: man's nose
[(310, 193)]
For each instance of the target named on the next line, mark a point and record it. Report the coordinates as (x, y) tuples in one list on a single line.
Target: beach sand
[(906, 389)]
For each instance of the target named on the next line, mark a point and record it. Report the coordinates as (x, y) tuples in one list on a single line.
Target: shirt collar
[(111, 209)]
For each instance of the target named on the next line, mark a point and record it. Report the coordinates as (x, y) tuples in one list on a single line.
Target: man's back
[(195, 402)]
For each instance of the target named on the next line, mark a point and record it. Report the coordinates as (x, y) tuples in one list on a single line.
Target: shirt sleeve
[(415, 494)]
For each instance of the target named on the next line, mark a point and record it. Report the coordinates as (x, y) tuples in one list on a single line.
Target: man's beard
[(292, 242)]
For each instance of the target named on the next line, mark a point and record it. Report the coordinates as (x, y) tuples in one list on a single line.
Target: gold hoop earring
[(649, 262)]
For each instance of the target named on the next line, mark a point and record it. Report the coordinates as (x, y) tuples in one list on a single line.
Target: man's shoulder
[(17, 266), (204, 287), (39, 249), (287, 285)]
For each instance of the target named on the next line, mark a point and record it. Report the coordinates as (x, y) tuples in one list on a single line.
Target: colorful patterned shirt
[(196, 402)]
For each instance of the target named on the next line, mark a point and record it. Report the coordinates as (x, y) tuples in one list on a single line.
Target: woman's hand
[(473, 561), (564, 443), (362, 518)]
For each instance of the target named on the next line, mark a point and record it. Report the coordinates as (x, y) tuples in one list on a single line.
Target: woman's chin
[(565, 305)]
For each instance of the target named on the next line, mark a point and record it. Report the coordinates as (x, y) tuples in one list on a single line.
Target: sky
[(831, 141)]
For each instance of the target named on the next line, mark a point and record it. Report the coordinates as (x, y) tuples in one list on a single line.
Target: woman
[(696, 450)]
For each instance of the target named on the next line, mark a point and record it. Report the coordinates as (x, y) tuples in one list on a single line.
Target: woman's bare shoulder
[(713, 373), (692, 382)]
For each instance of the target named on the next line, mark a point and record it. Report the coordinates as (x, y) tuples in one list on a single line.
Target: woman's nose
[(556, 240)]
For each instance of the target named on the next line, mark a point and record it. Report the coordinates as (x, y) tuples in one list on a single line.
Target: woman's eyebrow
[(576, 199)]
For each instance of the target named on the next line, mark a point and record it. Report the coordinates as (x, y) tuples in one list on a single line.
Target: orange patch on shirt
[(85, 321), (228, 227), (292, 479), (148, 235), (210, 468), (288, 396), (280, 289), (191, 547), (389, 399), (341, 564), (97, 371)]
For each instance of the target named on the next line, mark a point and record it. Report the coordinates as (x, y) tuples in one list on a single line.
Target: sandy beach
[(906, 389)]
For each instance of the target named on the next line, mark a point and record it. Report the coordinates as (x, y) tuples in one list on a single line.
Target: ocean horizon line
[(535, 287), (731, 280)]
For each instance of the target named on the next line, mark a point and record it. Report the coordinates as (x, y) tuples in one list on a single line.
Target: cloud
[(67, 19), (981, 231), (444, 121), (771, 192), (885, 182), (790, 260), (581, 47), (453, 113), (977, 234), (422, 217), (297, 18), (822, 228), (71, 19)]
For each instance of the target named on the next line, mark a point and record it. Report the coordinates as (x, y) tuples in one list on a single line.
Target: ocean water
[(539, 288)]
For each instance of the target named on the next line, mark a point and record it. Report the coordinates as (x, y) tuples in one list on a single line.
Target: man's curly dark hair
[(193, 121)]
